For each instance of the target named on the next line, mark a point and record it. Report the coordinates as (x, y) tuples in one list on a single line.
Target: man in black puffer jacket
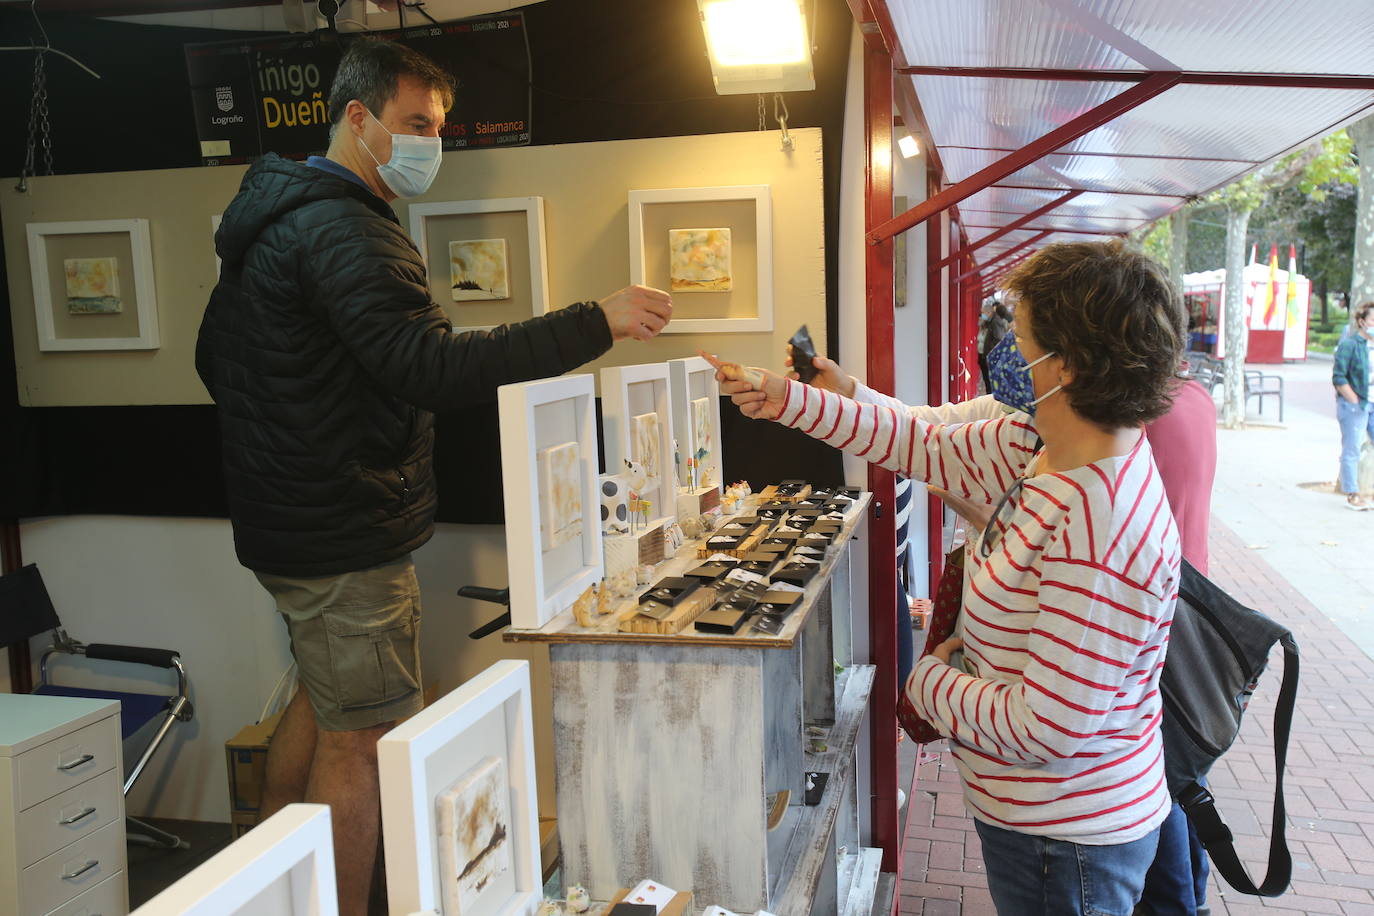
[(326, 356)]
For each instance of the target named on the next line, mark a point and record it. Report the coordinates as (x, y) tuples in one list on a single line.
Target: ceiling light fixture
[(757, 45), (908, 145)]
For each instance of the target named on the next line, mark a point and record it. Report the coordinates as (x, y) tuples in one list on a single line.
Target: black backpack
[(1218, 648)]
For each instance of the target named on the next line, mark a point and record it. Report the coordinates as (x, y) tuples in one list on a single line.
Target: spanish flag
[(1271, 298)]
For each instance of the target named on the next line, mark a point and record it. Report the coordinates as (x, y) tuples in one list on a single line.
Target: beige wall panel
[(178, 204), (585, 187)]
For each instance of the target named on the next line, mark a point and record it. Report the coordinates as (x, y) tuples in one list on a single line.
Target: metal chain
[(763, 114), (40, 127)]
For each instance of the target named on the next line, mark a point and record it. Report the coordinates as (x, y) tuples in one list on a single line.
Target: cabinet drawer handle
[(84, 758), (82, 870), (77, 817)]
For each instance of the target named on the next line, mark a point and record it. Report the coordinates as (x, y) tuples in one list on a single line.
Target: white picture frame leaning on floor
[(761, 198), (628, 392), (691, 379), (536, 416), (282, 867), (532, 207), (488, 717)]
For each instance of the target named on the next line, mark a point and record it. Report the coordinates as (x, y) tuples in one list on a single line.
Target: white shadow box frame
[(535, 416), (628, 391), (532, 207), (690, 379), (46, 300), (282, 867), (760, 195), (488, 716)]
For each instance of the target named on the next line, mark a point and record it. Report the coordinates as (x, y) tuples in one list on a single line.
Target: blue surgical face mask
[(1010, 376), (413, 164)]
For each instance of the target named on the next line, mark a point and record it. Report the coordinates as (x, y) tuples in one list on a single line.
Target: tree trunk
[(1178, 247), (1237, 334), (1362, 264)]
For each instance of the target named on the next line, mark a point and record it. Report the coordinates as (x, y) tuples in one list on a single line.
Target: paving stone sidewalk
[(1329, 789)]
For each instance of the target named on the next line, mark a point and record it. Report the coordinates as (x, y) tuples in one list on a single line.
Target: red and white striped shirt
[(1055, 728)]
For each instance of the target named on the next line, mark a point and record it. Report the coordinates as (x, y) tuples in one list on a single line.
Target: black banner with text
[(272, 95)]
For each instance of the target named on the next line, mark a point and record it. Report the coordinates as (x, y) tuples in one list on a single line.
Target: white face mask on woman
[(413, 164)]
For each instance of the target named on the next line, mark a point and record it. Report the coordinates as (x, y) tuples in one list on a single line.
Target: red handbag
[(949, 596)]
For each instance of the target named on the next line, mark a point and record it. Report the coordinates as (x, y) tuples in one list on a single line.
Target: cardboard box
[(246, 756), (246, 763), (680, 905)]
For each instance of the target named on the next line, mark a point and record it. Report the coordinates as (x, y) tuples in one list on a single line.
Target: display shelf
[(668, 746), (885, 894), (563, 628), (859, 892), (812, 844)]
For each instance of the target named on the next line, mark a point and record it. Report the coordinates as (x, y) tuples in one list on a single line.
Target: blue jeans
[(1176, 884), (1029, 875), (1357, 424)]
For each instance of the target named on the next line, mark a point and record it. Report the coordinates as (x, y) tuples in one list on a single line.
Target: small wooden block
[(682, 616), (747, 545)]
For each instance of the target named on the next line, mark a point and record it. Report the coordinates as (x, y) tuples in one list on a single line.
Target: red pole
[(1085, 123), (882, 548)]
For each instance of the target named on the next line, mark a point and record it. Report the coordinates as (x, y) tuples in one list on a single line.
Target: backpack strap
[(1200, 806)]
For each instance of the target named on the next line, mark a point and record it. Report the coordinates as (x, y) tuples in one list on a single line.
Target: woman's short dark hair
[(1114, 318), (370, 71), (1362, 312)]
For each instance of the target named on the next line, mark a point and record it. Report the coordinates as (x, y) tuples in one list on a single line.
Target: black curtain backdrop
[(602, 70)]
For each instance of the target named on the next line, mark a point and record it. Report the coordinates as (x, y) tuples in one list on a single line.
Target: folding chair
[(26, 611)]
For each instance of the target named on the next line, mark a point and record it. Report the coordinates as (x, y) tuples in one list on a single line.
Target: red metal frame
[(1107, 232), (882, 547), (1010, 227), (1032, 187), (1085, 123), (1010, 251), (1187, 77)]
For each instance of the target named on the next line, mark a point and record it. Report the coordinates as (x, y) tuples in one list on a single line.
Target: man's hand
[(757, 393), (637, 311), (828, 375)]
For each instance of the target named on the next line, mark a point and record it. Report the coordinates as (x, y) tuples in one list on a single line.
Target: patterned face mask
[(1010, 376)]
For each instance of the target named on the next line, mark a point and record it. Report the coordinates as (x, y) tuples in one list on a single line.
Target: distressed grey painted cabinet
[(668, 747)]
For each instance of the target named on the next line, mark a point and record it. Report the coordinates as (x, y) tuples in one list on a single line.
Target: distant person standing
[(995, 324), (1184, 441), (1351, 375)]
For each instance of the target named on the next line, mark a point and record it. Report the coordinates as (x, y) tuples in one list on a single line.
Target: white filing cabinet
[(61, 807)]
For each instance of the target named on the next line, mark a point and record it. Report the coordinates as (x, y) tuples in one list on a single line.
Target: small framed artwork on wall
[(486, 258), (93, 285), (713, 249)]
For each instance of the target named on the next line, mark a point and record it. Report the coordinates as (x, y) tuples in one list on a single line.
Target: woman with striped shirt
[(1053, 710)]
